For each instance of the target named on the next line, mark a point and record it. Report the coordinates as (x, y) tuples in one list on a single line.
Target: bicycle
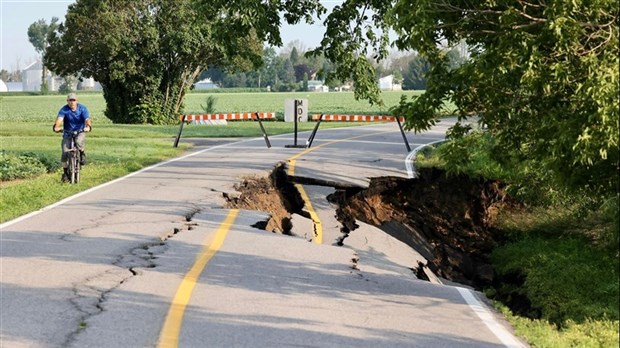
[(75, 156)]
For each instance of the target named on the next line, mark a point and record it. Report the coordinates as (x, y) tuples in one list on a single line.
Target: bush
[(210, 107), (20, 166), (478, 154), (565, 278), (51, 163)]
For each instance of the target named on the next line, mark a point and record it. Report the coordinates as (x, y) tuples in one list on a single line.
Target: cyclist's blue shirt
[(74, 120)]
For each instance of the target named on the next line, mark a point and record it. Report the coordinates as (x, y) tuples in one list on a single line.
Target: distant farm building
[(31, 80), (205, 84), (317, 86), (31, 77), (387, 84), (3, 87), (88, 84)]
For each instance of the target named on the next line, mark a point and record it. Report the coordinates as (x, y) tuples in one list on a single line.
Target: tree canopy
[(542, 76), (147, 53)]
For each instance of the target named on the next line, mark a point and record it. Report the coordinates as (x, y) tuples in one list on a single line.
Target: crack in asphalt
[(90, 295)]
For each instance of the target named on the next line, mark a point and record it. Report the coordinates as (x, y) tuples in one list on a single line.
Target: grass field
[(44, 108)]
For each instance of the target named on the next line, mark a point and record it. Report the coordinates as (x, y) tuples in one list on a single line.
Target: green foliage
[(559, 277), (557, 266), (39, 34), (209, 108), (147, 53), (416, 77), (304, 85), (541, 75), (44, 88), (350, 38), (23, 166), (480, 154), (67, 85), (287, 87), (540, 333)]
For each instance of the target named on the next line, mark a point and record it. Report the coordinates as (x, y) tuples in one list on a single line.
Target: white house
[(3, 87)]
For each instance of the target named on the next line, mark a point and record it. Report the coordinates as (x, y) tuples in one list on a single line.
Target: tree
[(541, 75), (304, 84), (294, 57), (287, 72), (67, 85), (269, 69), (214, 73), (302, 70), (147, 53), (356, 30), (415, 78), (38, 34)]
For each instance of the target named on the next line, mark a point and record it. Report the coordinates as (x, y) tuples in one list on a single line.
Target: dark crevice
[(419, 272), (190, 215), (319, 182), (447, 219)]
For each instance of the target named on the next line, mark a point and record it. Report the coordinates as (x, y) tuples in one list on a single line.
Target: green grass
[(109, 158), (540, 333), (559, 252), (28, 108)]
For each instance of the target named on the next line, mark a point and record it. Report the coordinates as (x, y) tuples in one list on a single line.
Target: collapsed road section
[(446, 219)]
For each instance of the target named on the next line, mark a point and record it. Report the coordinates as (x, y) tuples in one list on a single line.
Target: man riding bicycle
[(72, 117)]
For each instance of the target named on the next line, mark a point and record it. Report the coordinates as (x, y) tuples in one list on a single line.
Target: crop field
[(33, 108)]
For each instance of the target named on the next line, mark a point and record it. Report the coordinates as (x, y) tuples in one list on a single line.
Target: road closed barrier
[(357, 118), (223, 117)]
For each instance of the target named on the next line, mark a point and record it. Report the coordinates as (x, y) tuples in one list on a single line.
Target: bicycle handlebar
[(75, 132)]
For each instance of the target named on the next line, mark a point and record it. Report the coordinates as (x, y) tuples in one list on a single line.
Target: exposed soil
[(447, 219), (274, 194)]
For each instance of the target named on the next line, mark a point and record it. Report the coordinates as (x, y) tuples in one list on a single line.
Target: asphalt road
[(120, 266)]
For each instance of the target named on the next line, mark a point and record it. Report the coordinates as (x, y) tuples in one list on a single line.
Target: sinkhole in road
[(448, 219)]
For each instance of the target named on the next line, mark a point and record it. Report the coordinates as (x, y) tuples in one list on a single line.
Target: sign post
[(298, 109)]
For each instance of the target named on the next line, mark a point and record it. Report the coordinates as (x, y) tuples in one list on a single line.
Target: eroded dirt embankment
[(447, 219)]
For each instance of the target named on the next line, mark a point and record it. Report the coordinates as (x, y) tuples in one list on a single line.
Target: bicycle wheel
[(74, 169)]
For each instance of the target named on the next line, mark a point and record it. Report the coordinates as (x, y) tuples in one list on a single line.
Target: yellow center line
[(318, 227), (169, 336)]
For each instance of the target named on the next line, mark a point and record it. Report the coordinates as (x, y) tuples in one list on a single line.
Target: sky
[(16, 52)]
